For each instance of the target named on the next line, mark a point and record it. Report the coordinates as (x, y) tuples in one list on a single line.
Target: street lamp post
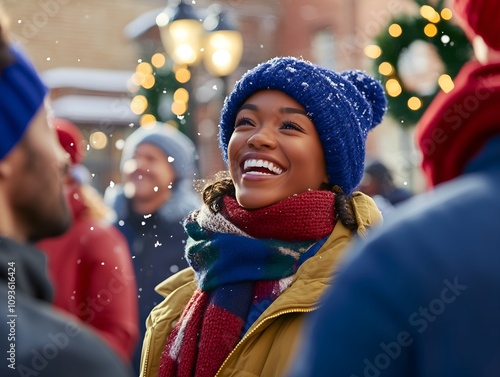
[(188, 41), (223, 44), (223, 49), (181, 33)]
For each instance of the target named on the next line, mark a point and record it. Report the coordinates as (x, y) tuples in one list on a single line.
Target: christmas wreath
[(452, 46)]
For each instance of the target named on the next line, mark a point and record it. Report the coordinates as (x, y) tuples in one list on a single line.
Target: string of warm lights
[(156, 84), (188, 39), (430, 25)]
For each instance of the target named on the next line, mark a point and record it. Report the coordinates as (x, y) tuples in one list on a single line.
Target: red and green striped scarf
[(243, 260)]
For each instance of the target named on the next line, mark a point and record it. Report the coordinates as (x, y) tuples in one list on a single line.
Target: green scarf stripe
[(220, 258)]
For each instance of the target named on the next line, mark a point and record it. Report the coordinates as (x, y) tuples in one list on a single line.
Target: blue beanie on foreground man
[(421, 297), (36, 339)]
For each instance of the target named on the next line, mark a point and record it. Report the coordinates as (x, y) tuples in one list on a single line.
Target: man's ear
[(4, 169), (8, 163)]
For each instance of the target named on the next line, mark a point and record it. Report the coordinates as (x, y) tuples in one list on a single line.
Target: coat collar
[(316, 273), (28, 266)]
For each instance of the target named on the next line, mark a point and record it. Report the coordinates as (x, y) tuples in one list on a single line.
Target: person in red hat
[(90, 265), (421, 297)]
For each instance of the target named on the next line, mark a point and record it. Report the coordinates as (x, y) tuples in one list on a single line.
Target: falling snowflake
[(174, 268)]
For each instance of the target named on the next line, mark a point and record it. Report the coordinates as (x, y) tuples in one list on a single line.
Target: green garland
[(454, 55), (165, 85)]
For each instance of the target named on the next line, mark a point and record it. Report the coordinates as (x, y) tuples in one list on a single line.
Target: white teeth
[(262, 164), (257, 173)]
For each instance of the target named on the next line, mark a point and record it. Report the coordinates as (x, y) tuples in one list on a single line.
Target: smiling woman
[(293, 135)]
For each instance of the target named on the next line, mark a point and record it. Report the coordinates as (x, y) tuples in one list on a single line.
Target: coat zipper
[(146, 359), (247, 335)]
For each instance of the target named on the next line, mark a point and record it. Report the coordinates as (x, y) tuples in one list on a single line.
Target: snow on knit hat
[(343, 107), (177, 147), (22, 94), (480, 17), (71, 139)]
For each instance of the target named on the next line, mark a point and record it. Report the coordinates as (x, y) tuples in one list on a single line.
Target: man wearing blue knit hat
[(36, 339)]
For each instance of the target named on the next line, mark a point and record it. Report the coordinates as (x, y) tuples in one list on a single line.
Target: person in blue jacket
[(421, 297), (158, 163)]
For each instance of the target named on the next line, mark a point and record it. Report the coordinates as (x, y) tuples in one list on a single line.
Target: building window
[(323, 48)]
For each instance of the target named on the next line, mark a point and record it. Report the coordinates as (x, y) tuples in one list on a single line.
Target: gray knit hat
[(343, 106), (176, 146)]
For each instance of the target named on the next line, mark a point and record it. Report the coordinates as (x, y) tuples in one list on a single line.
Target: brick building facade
[(88, 49)]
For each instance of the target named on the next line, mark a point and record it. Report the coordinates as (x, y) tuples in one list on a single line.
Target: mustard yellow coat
[(266, 347)]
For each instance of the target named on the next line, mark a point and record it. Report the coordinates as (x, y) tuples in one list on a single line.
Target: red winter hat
[(480, 17), (457, 125), (71, 139)]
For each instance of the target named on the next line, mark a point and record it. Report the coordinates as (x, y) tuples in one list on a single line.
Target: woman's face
[(274, 151)]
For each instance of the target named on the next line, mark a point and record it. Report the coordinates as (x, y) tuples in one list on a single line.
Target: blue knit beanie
[(22, 93), (343, 106)]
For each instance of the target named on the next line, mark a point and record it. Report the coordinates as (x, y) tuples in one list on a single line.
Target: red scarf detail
[(208, 330), (457, 125), (306, 216)]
